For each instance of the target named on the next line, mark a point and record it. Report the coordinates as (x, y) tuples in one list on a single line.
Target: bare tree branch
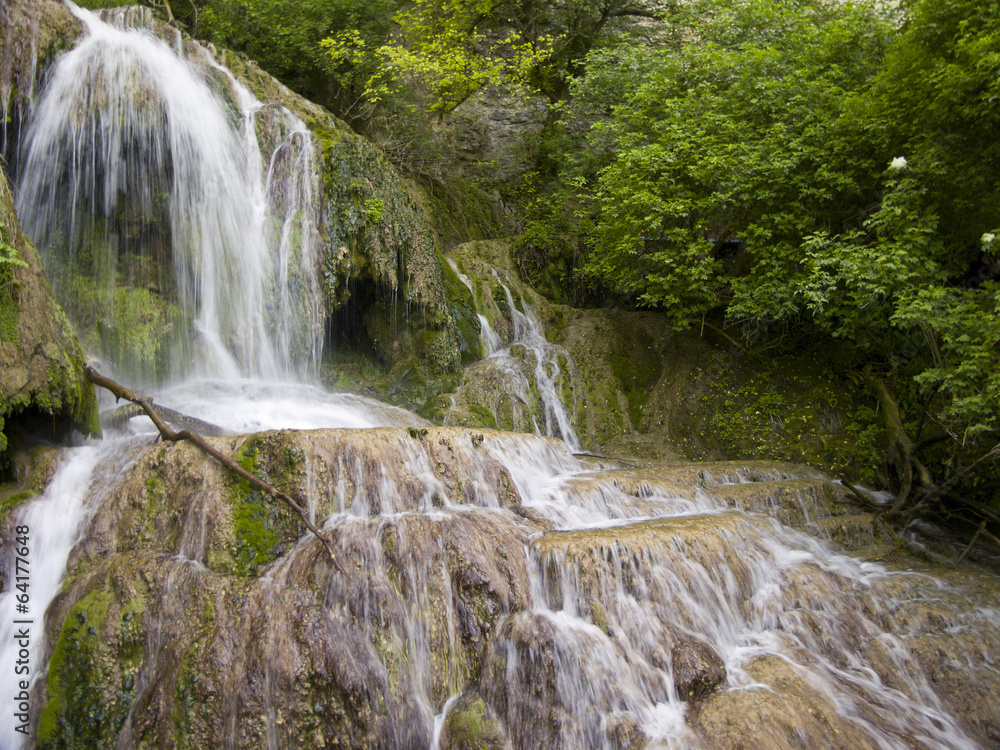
[(121, 392)]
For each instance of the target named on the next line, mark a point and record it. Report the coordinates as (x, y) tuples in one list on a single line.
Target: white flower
[(987, 239), (898, 163)]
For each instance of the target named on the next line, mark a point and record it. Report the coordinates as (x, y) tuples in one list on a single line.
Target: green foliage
[(8, 307), (439, 48), (8, 253), (729, 136), (441, 52), (284, 37), (852, 154), (374, 209), (936, 102), (450, 49), (961, 329)]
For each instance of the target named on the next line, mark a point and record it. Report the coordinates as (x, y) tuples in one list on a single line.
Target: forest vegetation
[(799, 175)]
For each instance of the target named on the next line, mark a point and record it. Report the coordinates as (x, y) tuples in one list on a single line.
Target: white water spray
[(547, 373), (528, 333), (144, 180)]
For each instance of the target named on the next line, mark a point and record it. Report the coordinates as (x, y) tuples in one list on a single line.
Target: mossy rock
[(32, 469), (472, 725), (92, 674), (263, 527), (42, 385)]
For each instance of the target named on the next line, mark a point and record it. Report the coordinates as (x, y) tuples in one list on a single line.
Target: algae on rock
[(42, 385)]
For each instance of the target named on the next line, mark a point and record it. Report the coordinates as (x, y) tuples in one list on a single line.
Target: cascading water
[(489, 589), (152, 196), (149, 196), (526, 332)]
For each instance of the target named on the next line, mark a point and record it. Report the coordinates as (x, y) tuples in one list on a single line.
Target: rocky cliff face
[(43, 392)]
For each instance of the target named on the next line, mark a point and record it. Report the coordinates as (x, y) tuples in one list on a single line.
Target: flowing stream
[(565, 604)]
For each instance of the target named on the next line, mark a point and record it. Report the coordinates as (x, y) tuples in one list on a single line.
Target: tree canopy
[(824, 168)]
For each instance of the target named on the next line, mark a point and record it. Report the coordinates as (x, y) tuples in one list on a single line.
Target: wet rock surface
[(697, 669), (43, 392), (195, 614), (472, 725)]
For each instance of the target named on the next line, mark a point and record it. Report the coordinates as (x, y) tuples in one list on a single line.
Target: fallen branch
[(121, 392), (117, 419), (980, 530), (860, 497)]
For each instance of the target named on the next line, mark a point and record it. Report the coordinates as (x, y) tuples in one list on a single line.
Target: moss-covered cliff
[(43, 392)]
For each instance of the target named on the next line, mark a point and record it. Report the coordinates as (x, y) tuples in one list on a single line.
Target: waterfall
[(47, 529), (176, 213), (483, 582), (526, 333), (498, 576)]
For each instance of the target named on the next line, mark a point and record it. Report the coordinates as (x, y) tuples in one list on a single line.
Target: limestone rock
[(472, 725), (697, 669), (251, 631)]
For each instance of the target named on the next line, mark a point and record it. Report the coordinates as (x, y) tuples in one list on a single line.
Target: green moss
[(461, 208), (125, 323), (551, 265), (785, 409), (92, 673), (8, 307), (484, 415), (463, 307), (637, 368), (255, 518), (470, 725), (10, 502), (188, 700), (599, 616)]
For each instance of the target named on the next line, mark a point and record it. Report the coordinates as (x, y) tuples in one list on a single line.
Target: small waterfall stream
[(486, 583), (526, 333)]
